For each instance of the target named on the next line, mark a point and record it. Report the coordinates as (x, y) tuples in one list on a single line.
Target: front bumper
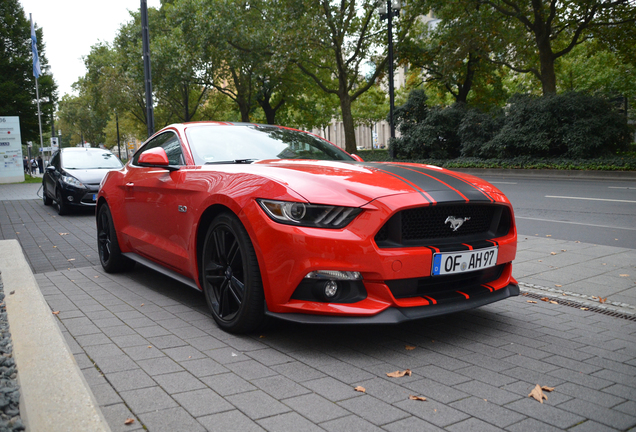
[(395, 315), (80, 197)]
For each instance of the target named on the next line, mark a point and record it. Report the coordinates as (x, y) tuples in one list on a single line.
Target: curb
[(54, 394), (548, 173)]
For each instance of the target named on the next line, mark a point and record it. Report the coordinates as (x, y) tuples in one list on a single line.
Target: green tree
[(538, 33), (17, 83), (334, 43)]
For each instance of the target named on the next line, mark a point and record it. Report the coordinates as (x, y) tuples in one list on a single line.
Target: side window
[(170, 143), (173, 149)]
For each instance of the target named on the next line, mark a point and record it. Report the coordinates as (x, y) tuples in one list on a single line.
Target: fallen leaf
[(262, 337), (546, 388), (557, 285), (63, 233), (149, 346), (548, 235), (419, 398), (553, 302), (604, 264), (95, 277), (234, 355), (129, 421), (142, 304), (55, 312), (531, 301), (360, 389), (624, 275), (545, 299), (577, 241), (584, 308), (71, 259), (540, 260), (537, 393), (409, 347), (398, 374), (602, 300), (594, 297), (553, 253), (564, 250)]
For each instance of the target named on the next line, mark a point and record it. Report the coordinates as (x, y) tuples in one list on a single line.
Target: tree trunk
[(347, 123), (546, 57), (464, 88)]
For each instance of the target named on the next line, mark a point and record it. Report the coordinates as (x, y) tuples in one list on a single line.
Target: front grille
[(423, 226), (439, 287)]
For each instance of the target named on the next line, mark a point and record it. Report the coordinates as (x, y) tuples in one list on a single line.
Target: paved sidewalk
[(150, 351)]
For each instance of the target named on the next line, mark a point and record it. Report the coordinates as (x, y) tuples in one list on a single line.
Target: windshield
[(242, 144), (101, 159)]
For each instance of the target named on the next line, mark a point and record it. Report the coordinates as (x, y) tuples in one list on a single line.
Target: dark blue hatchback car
[(73, 177)]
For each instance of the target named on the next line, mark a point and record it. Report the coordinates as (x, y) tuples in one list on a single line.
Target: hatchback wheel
[(231, 277), (46, 199), (110, 255), (62, 208)]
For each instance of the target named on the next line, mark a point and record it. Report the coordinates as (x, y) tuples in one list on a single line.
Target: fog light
[(331, 289), (70, 198)]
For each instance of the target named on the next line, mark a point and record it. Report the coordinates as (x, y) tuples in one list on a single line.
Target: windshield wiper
[(235, 161)]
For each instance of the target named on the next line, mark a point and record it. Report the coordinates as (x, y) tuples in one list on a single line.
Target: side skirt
[(156, 267)]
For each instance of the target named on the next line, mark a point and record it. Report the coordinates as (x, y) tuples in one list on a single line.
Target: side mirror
[(50, 168), (356, 157), (154, 157)]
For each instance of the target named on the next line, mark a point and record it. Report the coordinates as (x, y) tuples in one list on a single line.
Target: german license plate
[(465, 261), (94, 197)]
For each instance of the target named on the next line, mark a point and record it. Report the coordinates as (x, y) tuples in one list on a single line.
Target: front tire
[(110, 256), (46, 199), (231, 277), (62, 208)]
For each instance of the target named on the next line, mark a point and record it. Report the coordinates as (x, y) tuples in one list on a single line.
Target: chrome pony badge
[(456, 222)]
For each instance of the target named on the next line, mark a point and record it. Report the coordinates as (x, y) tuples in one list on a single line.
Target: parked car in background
[(72, 178), (272, 221)]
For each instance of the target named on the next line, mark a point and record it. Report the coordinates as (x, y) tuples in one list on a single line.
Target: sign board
[(11, 165), (55, 143)]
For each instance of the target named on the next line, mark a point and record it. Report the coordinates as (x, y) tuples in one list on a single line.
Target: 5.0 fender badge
[(182, 209), (455, 223)]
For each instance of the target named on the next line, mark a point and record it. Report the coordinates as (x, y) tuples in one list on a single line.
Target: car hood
[(358, 183), (89, 176)]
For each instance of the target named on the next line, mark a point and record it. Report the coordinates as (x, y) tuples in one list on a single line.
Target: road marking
[(590, 199), (619, 187), (575, 223), (495, 182)]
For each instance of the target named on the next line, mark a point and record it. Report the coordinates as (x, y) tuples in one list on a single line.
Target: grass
[(29, 179)]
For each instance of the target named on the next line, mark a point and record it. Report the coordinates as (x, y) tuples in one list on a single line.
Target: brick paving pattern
[(150, 351)]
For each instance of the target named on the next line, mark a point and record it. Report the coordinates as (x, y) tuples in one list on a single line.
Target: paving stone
[(257, 404), (227, 384), (171, 420), (609, 417), (280, 387), (490, 393), (143, 352), (332, 389), (203, 367), (433, 412), (130, 380), (532, 425), (163, 342), (129, 341), (410, 424), (147, 399), (105, 395), (432, 389), (546, 413), (472, 425), (315, 408), (488, 411), (288, 422), (373, 410), (269, 357), (229, 421), (158, 366), (115, 363), (184, 353), (202, 402), (298, 372), (116, 415), (178, 382), (591, 426)]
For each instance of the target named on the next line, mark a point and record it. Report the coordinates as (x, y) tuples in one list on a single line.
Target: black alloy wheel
[(231, 277), (46, 199), (110, 255), (62, 208)]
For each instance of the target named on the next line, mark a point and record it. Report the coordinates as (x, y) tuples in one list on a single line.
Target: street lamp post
[(150, 117), (392, 10), (117, 124)]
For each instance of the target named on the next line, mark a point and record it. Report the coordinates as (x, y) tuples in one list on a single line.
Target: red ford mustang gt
[(272, 221)]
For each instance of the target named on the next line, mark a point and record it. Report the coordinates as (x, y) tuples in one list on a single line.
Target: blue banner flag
[(34, 48)]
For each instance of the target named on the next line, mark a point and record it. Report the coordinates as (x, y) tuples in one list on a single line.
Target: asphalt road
[(591, 211)]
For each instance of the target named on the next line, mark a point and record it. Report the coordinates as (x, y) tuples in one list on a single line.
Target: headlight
[(309, 215), (72, 181)]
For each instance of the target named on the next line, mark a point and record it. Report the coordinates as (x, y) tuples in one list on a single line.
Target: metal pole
[(118, 146), (150, 117), (391, 85)]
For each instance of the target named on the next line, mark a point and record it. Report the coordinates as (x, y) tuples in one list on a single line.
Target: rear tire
[(46, 199), (231, 277), (110, 256)]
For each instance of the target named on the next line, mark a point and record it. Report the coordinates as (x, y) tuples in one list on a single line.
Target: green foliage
[(17, 83), (574, 125)]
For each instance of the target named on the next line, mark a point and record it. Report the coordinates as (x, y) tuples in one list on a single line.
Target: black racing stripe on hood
[(440, 186), (466, 188), (414, 185)]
